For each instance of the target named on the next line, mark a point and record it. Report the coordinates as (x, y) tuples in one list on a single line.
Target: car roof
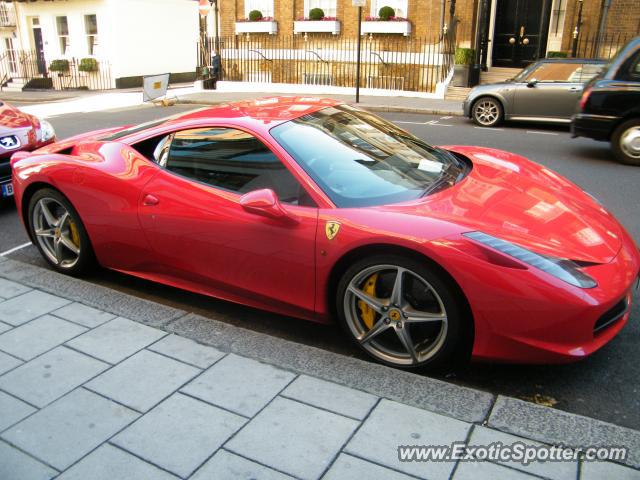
[(572, 60), (270, 109)]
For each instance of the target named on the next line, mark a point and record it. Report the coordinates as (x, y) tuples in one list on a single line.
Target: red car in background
[(19, 131), (315, 209)]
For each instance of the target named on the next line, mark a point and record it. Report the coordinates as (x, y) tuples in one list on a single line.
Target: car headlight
[(566, 270), (46, 131)]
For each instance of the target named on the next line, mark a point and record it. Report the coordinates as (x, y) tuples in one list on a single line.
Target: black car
[(609, 109)]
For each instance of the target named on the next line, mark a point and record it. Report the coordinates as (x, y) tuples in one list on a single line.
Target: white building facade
[(132, 37)]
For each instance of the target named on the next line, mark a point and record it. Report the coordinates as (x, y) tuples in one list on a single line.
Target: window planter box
[(270, 27), (316, 26), (403, 27)]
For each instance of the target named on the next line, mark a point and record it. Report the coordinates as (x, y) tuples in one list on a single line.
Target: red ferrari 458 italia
[(19, 131), (315, 209)]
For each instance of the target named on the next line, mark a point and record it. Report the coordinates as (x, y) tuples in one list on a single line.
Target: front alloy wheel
[(400, 312), (487, 112)]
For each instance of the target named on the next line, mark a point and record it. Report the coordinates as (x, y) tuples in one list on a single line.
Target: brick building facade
[(555, 20)]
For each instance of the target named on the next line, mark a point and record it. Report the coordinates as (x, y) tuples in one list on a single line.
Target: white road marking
[(15, 249), (446, 118), (491, 129), (424, 124), (542, 133)]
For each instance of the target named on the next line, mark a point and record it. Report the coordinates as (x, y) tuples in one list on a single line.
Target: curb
[(505, 414)]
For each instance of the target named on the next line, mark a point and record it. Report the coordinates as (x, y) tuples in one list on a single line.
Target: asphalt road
[(604, 386)]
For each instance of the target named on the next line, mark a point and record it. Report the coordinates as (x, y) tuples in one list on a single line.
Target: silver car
[(545, 91)]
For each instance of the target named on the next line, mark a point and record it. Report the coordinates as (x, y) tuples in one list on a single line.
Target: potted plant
[(256, 23), (316, 14), (255, 16), (60, 65), (317, 22), (386, 22), (463, 61), (557, 54), (88, 65), (386, 13)]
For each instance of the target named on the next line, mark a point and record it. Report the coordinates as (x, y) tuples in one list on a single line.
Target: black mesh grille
[(610, 316)]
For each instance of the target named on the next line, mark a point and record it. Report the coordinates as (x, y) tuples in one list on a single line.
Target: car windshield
[(360, 160)]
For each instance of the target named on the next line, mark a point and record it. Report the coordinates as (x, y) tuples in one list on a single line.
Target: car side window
[(232, 160), (553, 72)]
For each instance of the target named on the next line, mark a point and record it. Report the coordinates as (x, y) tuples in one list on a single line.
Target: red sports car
[(19, 131), (315, 209)]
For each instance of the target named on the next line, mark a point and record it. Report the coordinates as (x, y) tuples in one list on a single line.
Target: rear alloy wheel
[(487, 112), (625, 142), (402, 313), (59, 233)]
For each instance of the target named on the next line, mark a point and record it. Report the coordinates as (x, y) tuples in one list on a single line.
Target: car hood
[(12, 120), (510, 197)]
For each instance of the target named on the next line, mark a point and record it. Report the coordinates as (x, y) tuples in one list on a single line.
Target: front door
[(517, 33), (39, 46), (203, 237)]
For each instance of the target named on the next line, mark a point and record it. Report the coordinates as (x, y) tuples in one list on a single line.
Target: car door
[(204, 238), (549, 91)]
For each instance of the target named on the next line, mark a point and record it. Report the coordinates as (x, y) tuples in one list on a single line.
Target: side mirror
[(532, 83), (266, 204)]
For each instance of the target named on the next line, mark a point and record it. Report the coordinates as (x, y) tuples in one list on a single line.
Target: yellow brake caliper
[(75, 236), (367, 313)]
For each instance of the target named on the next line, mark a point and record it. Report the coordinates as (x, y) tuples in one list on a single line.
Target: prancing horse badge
[(331, 229)]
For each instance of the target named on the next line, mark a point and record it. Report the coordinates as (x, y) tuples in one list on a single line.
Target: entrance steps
[(498, 74), (15, 85), (456, 93)]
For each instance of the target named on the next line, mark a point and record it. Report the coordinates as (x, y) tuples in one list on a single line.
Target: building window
[(400, 7), (63, 34), (327, 6), (91, 29), (263, 6)]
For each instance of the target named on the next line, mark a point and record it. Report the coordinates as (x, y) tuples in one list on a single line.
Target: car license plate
[(7, 190)]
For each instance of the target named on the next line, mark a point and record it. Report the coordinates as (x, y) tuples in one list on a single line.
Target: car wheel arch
[(348, 258), (28, 193)]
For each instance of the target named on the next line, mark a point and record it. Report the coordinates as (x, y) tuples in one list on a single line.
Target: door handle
[(150, 201), (575, 89)]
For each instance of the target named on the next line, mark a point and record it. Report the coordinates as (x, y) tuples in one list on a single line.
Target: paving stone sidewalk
[(88, 394)]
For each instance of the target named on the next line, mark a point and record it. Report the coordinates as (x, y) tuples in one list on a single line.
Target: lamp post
[(576, 31), (203, 9), (359, 4)]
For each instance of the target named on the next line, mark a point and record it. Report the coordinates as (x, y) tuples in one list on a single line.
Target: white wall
[(137, 37), (74, 10), (154, 36)]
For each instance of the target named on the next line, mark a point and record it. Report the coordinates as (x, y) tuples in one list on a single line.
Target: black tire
[(487, 112), (626, 151), (85, 258), (455, 349)]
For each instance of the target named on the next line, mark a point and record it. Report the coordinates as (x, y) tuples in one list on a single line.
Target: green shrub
[(88, 65), (557, 54), (316, 14), (464, 56), (255, 15), (60, 65), (386, 13)]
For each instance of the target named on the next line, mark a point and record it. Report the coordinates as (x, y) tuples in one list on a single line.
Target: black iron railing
[(31, 69), (593, 45), (410, 64)]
